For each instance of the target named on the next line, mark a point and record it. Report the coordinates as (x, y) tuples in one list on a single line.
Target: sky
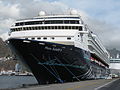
[(102, 16)]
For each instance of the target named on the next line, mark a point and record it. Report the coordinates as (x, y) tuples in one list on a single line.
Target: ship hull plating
[(54, 63)]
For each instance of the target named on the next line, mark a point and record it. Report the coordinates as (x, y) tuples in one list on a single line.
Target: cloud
[(9, 11), (12, 10), (33, 7), (107, 33), (5, 24), (102, 16), (103, 10)]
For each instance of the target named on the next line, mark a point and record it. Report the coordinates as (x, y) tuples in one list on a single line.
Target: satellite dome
[(41, 13), (73, 12)]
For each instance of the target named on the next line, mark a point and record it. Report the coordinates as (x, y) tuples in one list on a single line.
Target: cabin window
[(39, 28), (59, 22), (66, 22), (27, 28), (68, 38), (33, 22), (52, 38), (38, 38), (48, 22), (77, 27), (62, 27), (17, 24), (80, 28), (76, 22), (45, 27), (52, 27), (70, 27), (55, 22), (15, 29), (55, 27), (33, 28), (52, 22), (30, 28), (42, 27), (59, 27), (66, 27), (72, 22), (24, 28), (27, 23), (45, 38), (48, 27), (21, 23), (73, 27), (21, 29), (32, 38)]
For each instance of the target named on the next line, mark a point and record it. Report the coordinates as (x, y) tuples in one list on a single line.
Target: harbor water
[(11, 82)]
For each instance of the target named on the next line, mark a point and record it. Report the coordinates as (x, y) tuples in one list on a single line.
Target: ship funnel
[(41, 13)]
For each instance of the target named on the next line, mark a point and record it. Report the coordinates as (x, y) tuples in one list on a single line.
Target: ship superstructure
[(59, 48)]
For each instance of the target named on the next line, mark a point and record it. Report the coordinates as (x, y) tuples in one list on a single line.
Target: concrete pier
[(101, 84)]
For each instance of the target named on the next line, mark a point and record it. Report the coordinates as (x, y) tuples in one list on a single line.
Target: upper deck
[(60, 19), (44, 22)]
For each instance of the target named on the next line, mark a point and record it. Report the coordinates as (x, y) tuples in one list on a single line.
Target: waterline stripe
[(56, 64)]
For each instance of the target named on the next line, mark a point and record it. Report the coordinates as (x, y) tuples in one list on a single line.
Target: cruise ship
[(59, 48)]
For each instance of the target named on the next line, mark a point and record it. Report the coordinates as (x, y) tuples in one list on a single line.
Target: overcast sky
[(103, 16)]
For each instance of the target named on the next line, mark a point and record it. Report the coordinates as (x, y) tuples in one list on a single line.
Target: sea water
[(9, 82)]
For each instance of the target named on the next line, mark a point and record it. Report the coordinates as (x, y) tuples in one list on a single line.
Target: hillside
[(4, 54), (4, 50), (114, 52)]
